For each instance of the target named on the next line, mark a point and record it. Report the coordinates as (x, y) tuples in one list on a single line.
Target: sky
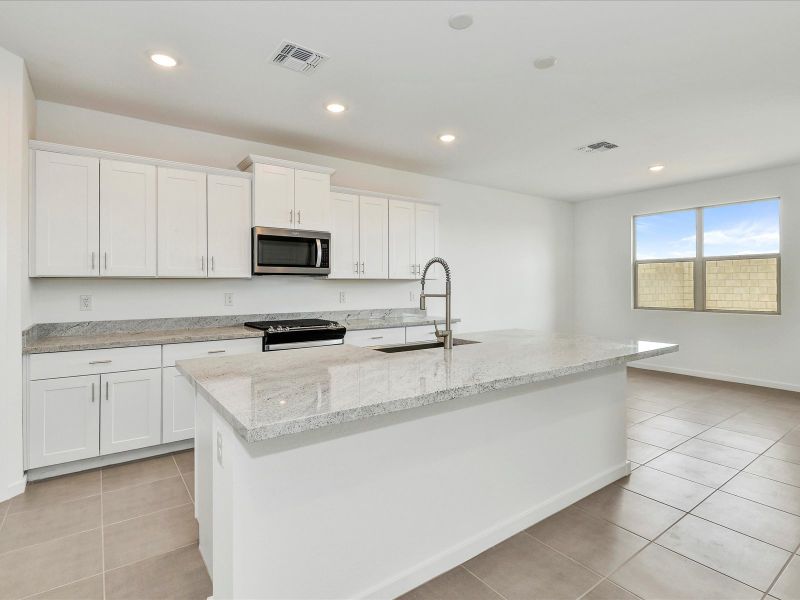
[(728, 230)]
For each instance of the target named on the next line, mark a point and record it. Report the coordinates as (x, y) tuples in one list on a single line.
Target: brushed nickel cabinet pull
[(92, 260), (99, 362), (105, 259), (216, 351), (106, 390), (93, 392)]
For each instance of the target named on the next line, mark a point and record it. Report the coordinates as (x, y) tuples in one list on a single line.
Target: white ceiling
[(707, 88)]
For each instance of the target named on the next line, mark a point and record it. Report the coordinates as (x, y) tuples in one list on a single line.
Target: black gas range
[(299, 333)]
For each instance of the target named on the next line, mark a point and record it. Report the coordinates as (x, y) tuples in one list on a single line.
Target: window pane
[(744, 228), (666, 235), (749, 284), (665, 285)]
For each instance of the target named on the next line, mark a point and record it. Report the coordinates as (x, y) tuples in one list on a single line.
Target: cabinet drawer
[(175, 352), (425, 333), (93, 362), (376, 337)]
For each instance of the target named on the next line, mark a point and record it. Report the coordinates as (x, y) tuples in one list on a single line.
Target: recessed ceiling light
[(163, 60), (460, 22), (545, 62), (336, 108), (447, 138), (656, 168)]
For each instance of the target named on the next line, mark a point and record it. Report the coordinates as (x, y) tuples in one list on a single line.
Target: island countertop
[(275, 394)]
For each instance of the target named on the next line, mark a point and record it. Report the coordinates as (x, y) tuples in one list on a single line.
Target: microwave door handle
[(319, 253)]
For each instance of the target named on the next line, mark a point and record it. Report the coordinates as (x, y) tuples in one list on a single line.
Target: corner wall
[(16, 121), (511, 254), (756, 349)]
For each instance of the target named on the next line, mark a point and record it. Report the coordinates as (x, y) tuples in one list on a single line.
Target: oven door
[(290, 252)]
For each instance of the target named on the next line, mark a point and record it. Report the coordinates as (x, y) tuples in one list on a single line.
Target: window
[(722, 258)]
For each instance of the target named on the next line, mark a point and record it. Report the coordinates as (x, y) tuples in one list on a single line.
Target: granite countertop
[(336, 384), (152, 332)]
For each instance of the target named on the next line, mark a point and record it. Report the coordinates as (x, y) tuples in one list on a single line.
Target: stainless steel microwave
[(291, 252)]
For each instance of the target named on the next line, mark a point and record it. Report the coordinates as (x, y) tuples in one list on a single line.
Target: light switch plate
[(85, 302), (228, 299), (342, 298)]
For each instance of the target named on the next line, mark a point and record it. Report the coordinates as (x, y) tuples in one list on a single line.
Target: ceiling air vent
[(597, 147), (296, 58)]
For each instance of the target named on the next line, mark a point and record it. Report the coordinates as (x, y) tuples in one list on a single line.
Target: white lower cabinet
[(63, 420), (376, 337), (177, 406), (130, 412)]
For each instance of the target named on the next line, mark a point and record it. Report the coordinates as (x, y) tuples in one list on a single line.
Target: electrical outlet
[(228, 299), (342, 298), (219, 448), (85, 303)]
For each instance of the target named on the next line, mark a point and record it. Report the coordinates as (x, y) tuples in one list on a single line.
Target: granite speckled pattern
[(91, 335), (275, 394)]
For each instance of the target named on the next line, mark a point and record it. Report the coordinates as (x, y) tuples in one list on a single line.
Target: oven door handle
[(319, 253)]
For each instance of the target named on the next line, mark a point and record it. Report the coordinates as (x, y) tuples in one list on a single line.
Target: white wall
[(511, 254), (16, 122), (758, 349)]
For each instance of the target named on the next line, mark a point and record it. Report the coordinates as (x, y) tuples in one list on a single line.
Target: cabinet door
[(374, 237), (63, 420), (274, 196), (177, 406), (128, 218), (427, 234), (130, 411), (66, 216), (345, 262), (181, 223), (402, 263), (229, 226), (312, 200)]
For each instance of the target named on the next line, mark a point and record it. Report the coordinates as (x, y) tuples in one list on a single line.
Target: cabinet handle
[(93, 392), (99, 362), (105, 260), (203, 264), (106, 390), (377, 337), (355, 267), (362, 268), (92, 260), (291, 216), (299, 220), (213, 268), (216, 351)]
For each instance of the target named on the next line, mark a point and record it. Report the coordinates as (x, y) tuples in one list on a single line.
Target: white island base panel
[(373, 508)]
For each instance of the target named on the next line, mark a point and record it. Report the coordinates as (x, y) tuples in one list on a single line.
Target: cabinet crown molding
[(246, 164), (107, 154), (338, 189)]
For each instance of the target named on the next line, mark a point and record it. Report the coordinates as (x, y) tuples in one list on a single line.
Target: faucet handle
[(438, 332)]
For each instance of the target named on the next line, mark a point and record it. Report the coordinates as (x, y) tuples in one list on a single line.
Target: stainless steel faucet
[(446, 336)]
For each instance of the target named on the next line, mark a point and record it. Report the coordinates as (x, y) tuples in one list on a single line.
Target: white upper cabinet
[(182, 222), (65, 223), (312, 200), (373, 237), (130, 415), (402, 241), (229, 226), (426, 231), (274, 196), (128, 218), (345, 261)]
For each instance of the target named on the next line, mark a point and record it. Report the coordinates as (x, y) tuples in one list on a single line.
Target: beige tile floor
[(126, 531), (711, 510)]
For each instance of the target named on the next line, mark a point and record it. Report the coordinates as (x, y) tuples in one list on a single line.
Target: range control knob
[(270, 329)]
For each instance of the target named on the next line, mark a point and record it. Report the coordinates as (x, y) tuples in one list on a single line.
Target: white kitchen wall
[(510, 254), (759, 349), (16, 123)]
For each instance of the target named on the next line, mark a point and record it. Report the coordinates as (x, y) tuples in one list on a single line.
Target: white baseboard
[(14, 489), (454, 556), (107, 460), (778, 385)]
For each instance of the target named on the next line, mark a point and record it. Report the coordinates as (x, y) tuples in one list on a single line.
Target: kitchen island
[(345, 472)]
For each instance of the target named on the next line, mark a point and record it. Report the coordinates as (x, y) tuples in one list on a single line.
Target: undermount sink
[(422, 346)]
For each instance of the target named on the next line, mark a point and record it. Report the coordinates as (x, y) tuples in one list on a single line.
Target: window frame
[(700, 260)]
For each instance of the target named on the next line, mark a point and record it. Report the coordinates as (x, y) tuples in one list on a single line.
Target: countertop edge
[(36, 347), (282, 429)]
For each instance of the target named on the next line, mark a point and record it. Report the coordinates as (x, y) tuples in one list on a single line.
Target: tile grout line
[(136, 562), (183, 479), (102, 536), (463, 566), (59, 586)]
